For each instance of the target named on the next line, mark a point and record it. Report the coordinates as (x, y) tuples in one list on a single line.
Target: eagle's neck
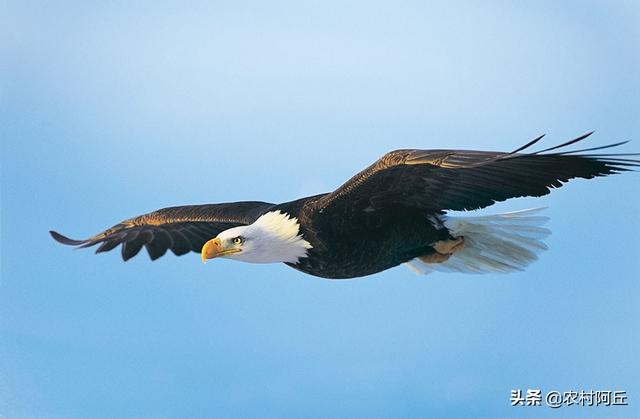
[(277, 239)]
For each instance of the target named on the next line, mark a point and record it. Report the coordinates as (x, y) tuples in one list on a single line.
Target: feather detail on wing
[(440, 180), (180, 229)]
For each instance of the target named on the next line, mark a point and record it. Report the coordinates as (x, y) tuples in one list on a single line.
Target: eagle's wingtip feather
[(64, 239)]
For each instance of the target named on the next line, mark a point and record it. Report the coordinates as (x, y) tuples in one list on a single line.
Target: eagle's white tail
[(497, 243)]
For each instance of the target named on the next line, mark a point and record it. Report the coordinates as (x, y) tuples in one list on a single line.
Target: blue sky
[(111, 110)]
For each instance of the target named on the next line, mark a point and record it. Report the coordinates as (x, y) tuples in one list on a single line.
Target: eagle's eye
[(238, 240)]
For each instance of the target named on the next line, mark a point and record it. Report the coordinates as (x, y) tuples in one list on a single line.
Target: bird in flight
[(392, 212)]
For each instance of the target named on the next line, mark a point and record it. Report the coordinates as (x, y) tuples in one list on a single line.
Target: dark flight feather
[(440, 180), (529, 144), (575, 140), (181, 229)]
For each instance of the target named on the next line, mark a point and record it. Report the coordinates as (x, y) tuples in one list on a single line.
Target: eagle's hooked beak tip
[(210, 250)]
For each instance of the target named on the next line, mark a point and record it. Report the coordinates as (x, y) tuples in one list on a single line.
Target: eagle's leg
[(434, 257), (448, 247), (443, 250)]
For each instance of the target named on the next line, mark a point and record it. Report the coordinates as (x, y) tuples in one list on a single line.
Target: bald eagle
[(392, 212)]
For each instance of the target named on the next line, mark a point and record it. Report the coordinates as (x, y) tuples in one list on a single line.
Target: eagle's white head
[(274, 237)]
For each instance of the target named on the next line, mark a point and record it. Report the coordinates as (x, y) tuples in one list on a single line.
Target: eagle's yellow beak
[(213, 249)]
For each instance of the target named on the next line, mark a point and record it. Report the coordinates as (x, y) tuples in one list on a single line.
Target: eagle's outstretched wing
[(181, 229), (439, 180)]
